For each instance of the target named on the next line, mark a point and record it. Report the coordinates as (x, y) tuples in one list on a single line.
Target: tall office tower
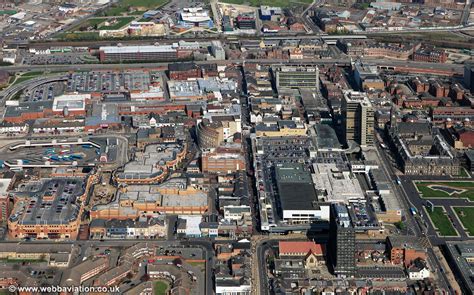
[(469, 76), (358, 118), (342, 243), (297, 77)]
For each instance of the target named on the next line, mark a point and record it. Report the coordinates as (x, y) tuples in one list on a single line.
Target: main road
[(414, 224)]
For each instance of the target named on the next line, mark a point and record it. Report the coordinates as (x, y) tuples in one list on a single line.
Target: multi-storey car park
[(49, 209)]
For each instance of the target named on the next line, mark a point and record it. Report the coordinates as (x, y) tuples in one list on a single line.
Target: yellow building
[(280, 129)]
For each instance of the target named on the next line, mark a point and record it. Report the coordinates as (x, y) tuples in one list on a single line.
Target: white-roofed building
[(70, 104), (195, 17), (18, 16), (335, 184), (137, 53), (192, 225)]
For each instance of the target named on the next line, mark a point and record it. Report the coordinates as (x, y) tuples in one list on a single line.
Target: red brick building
[(430, 55), (223, 160)]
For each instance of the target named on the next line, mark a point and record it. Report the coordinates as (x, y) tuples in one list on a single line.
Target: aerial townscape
[(236, 147)]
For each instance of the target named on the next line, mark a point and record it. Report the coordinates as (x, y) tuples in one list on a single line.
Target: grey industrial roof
[(297, 196), (414, 127), (326, 137)]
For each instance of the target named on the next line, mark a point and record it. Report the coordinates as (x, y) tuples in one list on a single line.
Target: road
[(209, 250), (340, 61), (206, 245), (419, 203), (466, 13), (261, 248), (173, 38), (413, 224), (28, 83)]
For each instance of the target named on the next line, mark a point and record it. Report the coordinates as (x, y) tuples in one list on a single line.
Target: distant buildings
[(268, 13), (4, 78), (358, 118), (246, 21), (5, 202), (371, 48), (195, 17), (217, 50), (452, 115)]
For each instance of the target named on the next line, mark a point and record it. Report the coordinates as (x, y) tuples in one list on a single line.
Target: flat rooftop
[(148, 163), (326, 138), (335, 183), (462, 253), (137, 49), (73, 102), (295, 187)]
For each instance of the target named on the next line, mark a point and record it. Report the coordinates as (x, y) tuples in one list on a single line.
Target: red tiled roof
[(287, 247)]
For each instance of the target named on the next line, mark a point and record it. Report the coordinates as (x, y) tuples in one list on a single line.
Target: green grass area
[(17, 95), (441, 222), (160, 287), (95, 21), (466, 215), (463, 173), (119, 22), (7, 12), (201, 265), (79, 36), (278, 3), (428, 193), (137, 12), (98, 23), (400, 225), (27, 76), (123, 7), (363, 5), (197, 263)]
